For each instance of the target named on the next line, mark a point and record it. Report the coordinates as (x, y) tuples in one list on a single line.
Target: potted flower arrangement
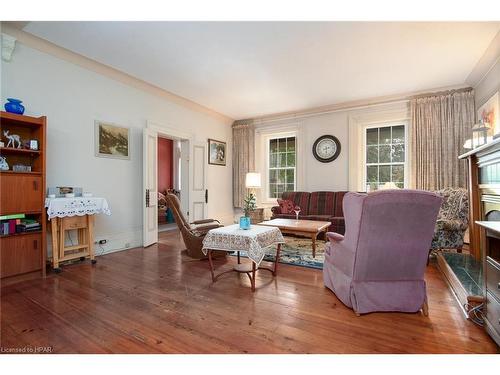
[(249, 204)]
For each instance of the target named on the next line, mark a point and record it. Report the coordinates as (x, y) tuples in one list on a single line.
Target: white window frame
[(268, 167), (263, 135), (385, 124)]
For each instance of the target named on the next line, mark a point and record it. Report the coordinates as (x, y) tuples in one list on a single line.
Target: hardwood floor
[(156, 300)]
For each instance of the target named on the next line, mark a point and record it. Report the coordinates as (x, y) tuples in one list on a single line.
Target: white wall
[(72, 98), (488, 85)]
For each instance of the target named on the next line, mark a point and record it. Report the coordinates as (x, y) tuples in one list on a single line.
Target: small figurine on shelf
[(12, 139), (4, 166)]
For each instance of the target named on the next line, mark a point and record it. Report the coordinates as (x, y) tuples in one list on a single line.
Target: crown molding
[(350, 105), (30, 40), (490, 57)]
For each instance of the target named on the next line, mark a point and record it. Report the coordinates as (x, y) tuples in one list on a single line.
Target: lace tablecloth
[(253, 241), (78, 206)]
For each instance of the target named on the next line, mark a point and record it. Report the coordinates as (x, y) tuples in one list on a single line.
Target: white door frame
[(176, 134)]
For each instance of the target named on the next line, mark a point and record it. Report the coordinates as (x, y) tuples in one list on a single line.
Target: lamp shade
[(252, 180)]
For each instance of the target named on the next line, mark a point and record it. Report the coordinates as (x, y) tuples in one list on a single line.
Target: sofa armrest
[(449, 224), (276, 210), (334, 237)]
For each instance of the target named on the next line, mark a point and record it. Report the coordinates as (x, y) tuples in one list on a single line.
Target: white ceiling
[(248, 69)]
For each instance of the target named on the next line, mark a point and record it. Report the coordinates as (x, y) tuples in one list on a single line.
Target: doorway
[(169, 180), (187, 178)]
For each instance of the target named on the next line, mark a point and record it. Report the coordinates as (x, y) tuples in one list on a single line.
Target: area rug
[(298, 252)]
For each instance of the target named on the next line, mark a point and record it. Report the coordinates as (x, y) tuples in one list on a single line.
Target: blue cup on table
[(244, 222)]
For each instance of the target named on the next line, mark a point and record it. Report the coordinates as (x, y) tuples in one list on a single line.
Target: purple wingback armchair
[(379, 264)]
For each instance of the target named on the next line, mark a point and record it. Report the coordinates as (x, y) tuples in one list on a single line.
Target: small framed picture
[(112, 141), (216, 152), (33, 144)]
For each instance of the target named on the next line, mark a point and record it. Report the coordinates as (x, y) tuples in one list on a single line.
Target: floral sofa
[(453, 219), (318, 205)]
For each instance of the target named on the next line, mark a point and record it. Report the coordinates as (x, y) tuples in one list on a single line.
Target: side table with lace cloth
[(253, 241), (76, 213)]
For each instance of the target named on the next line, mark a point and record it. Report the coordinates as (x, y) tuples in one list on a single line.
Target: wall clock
[(326, 148)]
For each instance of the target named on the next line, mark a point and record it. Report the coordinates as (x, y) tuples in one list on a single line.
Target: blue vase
[(14, 106), (244, 222)]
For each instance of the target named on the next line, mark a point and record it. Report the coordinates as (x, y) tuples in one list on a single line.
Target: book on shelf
[(14, 216), (13, 226)]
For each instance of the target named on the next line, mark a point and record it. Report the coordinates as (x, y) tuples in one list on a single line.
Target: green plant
[(249, 204)]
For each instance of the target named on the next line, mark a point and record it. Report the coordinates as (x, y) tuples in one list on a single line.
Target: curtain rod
[(441, 93)]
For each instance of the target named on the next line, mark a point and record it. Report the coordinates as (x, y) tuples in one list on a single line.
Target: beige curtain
[(440, 125), (243, 158)]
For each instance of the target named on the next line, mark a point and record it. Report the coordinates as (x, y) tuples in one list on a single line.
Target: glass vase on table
[(297, 212)]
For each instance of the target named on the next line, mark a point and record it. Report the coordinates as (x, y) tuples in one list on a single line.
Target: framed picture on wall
[(488, 113), (216, 152), (111, 141)]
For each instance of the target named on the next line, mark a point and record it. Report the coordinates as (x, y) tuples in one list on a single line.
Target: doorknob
[(206, 195)]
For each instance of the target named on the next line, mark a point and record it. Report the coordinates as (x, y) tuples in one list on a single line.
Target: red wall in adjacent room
[(165, 164)]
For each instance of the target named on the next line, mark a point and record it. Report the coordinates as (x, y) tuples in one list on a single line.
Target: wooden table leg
[(90, 237), (61, 237), (55, 246), (239, 260), (211, 263), (313, 237), (253, 276), (278, 249)]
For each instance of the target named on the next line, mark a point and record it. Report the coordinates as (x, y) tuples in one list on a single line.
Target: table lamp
[(252, 181)]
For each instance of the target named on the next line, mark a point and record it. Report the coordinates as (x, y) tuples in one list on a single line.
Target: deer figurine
[(12, 139)]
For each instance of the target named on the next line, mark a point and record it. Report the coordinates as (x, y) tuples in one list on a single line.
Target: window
[(385, 159), (282, 166)]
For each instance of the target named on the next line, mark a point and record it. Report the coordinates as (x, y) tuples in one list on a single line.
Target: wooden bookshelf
[(23, 254)]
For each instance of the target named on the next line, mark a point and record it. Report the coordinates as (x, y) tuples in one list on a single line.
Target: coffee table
[(253, 241), (306, 228)]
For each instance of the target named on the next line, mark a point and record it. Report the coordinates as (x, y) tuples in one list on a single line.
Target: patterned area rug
[(298, 252)]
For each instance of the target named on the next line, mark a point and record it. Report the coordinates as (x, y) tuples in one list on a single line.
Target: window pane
[(290, 176), (385, 154), (372, 154), (400, 185), (273, 160), (282, 160), (398, 173), (282, 176), (372, 136), (282, 145), (398, 153), (385, 135), (273, 176), (398, 134), (273, 145), (372, 173), (272, 190), (290, 162), (290, 144), (385, 173), (290, 187), (280, 188)]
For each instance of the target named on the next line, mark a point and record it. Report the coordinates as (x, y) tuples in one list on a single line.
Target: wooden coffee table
[(306, 228)]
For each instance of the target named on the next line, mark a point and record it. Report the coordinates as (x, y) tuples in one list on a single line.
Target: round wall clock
[(326, 148)]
